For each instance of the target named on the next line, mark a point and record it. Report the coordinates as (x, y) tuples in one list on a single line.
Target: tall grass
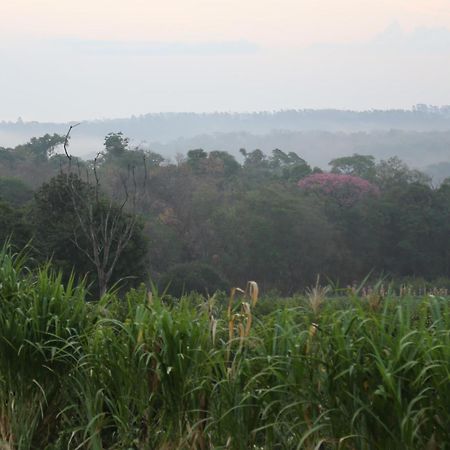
[(138, 373), (40, 324)]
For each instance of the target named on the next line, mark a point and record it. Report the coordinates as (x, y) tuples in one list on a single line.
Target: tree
[(116, 144), (345, 190), (254, 159), (41, 148), (228, 164), (73, 216), (195, 159), (357, 165), (393, 172), (288, 165)]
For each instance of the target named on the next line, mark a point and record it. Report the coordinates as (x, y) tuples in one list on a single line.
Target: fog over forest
[(420, 136)]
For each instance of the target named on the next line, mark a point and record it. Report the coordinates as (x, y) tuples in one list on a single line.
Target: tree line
[(210, 221)]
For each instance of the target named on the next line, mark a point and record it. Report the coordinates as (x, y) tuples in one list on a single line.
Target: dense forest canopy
[(420, 136), (210, 220)]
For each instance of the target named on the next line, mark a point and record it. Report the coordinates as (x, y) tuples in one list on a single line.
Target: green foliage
[(61, 210), (195, 156), (142, 374), (13, 225), (116, 144), (14, 191), (31, 163), (192, 277), (289, 166), (273, 237), (56, 225), (357, 165), (215, 162), (41, 148), (393, 172), (118, 154), (247, 220), (227, 162), (40, 321)]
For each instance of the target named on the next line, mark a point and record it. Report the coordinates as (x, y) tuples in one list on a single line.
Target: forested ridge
[(208, 221), (419, 136)]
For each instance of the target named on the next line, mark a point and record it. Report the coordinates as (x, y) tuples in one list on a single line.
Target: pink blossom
[(345, 189)]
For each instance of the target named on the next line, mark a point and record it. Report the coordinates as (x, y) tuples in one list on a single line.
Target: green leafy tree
[(254, 159), (356, 165), (196, 158), (41, 148), (227, 163), (289, 165), (116, 144), (393, 172)]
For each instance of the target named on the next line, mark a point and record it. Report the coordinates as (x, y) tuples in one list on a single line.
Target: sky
[(91, 59)]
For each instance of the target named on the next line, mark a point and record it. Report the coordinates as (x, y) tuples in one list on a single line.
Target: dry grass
[(316, 295)]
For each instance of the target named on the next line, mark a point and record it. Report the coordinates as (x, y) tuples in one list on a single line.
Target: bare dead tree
[(106, 226)]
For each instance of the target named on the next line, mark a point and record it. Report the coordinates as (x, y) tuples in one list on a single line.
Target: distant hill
[(420, 136)]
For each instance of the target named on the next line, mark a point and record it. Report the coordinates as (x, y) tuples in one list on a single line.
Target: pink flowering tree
[(346, 190)]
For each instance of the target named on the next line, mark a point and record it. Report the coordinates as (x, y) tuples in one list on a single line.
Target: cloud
[(395, 40), (148, 48), (420, 40)]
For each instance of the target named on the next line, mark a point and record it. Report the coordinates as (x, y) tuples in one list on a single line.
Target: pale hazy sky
[(68, 60)]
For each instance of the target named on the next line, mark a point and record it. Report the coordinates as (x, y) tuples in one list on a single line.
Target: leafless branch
[(66, 141)]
